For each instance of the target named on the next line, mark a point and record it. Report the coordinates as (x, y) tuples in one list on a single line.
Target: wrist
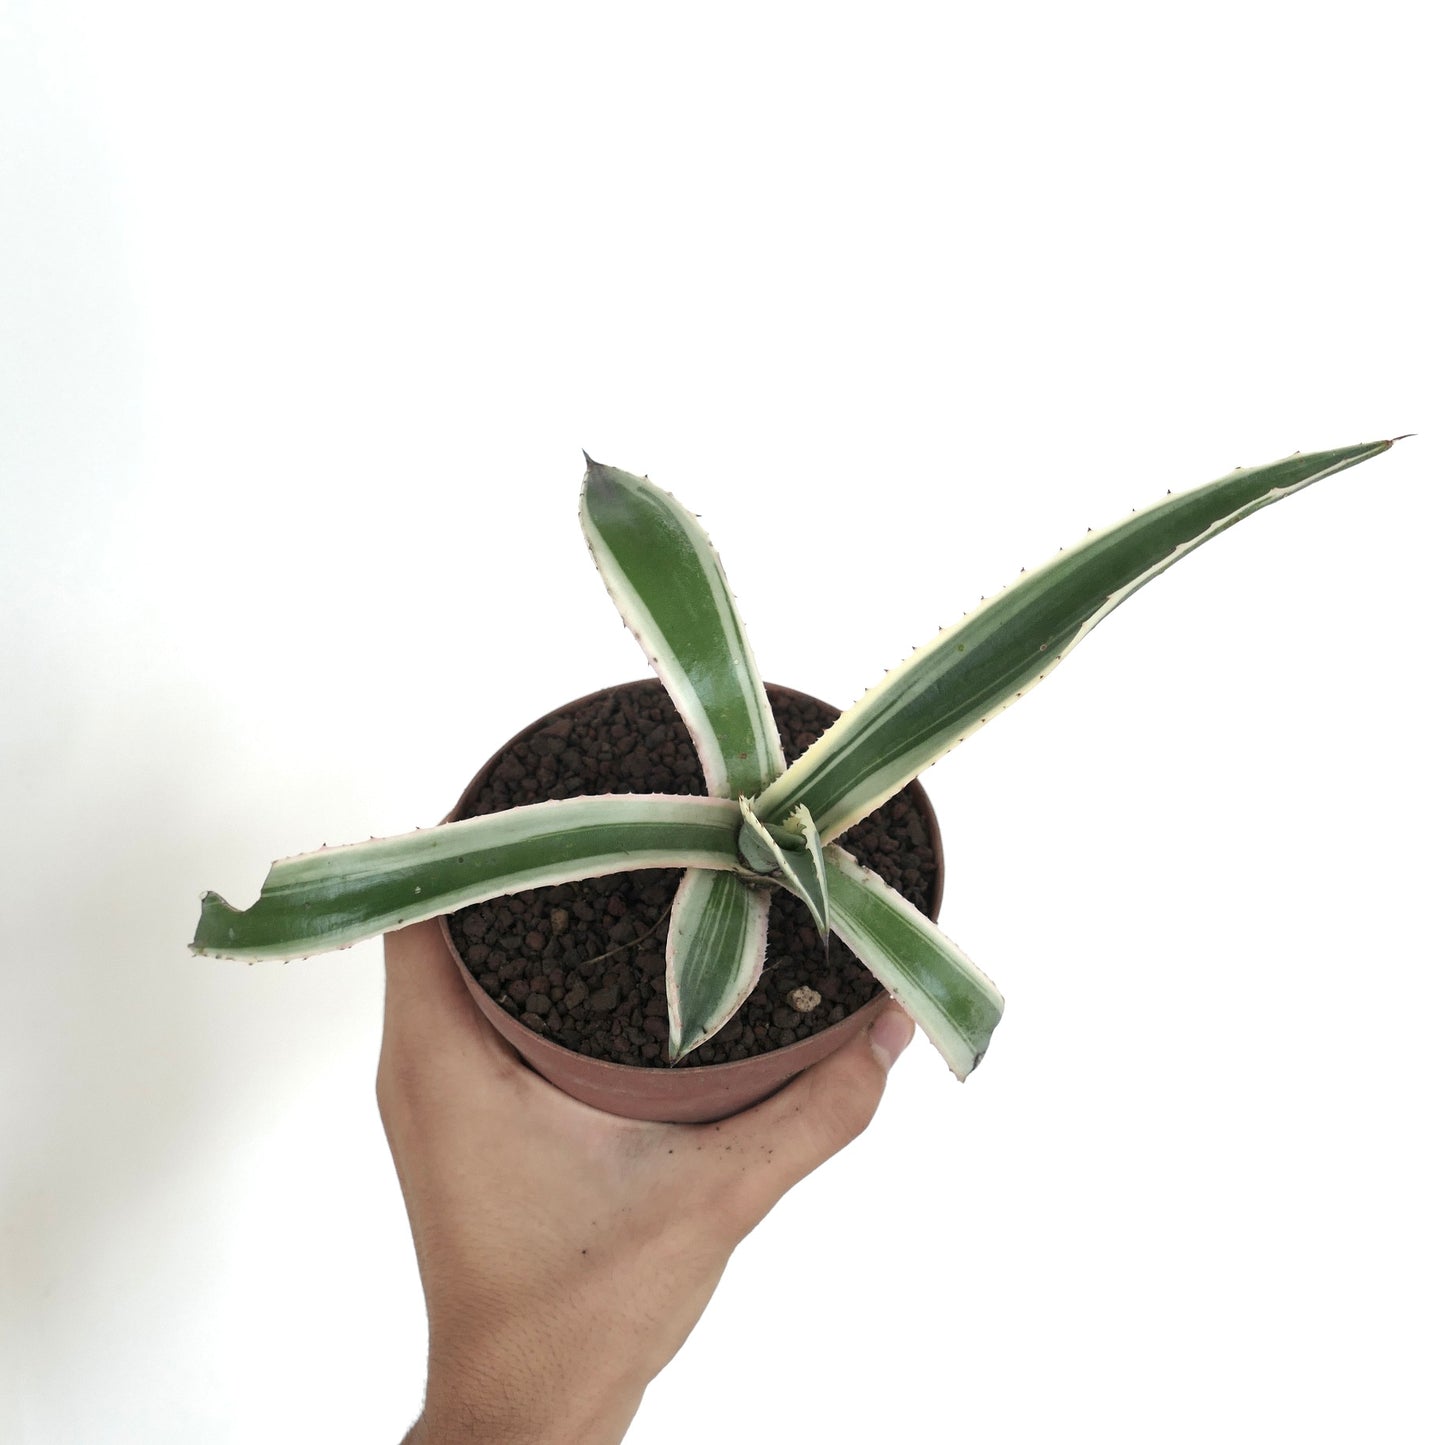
[(483, 1416), (465, 1427)]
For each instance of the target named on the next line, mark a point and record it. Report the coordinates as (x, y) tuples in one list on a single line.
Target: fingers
[(429, 1013), (812, 1118)]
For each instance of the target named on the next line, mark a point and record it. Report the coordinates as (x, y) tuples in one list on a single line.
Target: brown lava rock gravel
[(582, 963)]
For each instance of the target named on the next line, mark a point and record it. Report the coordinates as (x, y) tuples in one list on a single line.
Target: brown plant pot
[(695, 1095)]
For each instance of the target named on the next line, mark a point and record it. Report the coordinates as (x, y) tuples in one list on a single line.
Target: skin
[(559, 1244)]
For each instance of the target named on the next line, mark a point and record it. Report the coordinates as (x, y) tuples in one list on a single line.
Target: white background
[(307, 312)]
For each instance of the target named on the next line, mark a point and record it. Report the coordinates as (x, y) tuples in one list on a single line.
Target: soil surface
[(582, 963)]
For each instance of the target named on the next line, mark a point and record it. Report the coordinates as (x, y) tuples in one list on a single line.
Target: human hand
[(566, 1254)]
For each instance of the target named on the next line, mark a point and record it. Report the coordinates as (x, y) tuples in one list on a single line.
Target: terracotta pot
[(680, 1096)]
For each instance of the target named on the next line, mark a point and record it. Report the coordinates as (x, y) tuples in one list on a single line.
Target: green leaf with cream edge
[(976, 668), (715, 943), (338, 896), (667, 581), (935, 981), (668, 584)]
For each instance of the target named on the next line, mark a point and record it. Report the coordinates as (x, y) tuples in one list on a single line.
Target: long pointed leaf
[(715, 946), (339, 896), (940, 987), (979, 666), (668, 584)]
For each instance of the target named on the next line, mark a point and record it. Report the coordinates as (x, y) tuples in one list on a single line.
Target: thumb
[(824, 1108)]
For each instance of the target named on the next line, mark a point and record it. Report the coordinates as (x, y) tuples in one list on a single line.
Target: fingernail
[(890, 1036)]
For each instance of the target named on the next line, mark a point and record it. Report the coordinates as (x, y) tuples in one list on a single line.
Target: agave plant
[(764, 824)]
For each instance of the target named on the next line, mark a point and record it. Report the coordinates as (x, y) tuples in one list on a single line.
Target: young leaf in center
[(797, 854)]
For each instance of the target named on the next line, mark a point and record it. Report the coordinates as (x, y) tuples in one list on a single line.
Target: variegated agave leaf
[(979, 666), (338, 896), (715, 946), (939, 986), (668, 584)]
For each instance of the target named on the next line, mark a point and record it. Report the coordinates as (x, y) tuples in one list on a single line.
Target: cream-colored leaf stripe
[(338, 896), (941, 988), (668, 584), (801, 821), (715, 945), (974, 669)]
